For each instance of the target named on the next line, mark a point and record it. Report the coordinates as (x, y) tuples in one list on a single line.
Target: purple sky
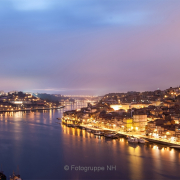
[(89, 46)]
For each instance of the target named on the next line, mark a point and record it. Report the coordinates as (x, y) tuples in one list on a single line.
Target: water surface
[(41, 147)]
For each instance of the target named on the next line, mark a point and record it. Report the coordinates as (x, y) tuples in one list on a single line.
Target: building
[(139, 122), (128, 124)]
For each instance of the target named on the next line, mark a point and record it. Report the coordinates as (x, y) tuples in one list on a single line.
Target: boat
[(62, 106), (75, 125), (111, 135), (88, 130), (136, 140), (69, 125), (98, 133), (15, 177), (2, 176), (141, 140), (132, 140)]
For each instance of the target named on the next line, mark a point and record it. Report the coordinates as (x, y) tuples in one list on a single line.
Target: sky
[(89, 47)]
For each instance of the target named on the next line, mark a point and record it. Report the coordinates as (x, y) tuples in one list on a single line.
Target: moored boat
[(69, 125), (132, 140), (62, 106), (88, 130), (75, 125), (111, 135), (141, 140), (99, 133)]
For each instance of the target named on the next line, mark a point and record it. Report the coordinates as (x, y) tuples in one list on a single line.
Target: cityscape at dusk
[(89, 89)]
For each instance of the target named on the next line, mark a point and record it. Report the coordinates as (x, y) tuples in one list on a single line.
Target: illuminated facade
[(128, 124), (139, 122), (120, 106)]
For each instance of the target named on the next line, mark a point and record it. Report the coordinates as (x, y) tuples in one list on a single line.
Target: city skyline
[(91, 47), (82, 95)]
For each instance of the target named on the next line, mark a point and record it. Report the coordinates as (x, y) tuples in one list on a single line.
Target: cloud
[(31, 4), (89, 46), (53, 15)]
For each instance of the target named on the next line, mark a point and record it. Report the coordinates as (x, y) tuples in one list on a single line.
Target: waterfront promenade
[(138, 135)]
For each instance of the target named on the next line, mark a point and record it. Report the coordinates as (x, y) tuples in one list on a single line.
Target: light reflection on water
[(141, 161), (41, 147)]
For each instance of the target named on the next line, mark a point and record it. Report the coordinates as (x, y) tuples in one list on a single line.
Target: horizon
[(86, 94)]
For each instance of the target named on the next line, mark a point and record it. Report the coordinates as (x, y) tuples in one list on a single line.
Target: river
[(45, 149)]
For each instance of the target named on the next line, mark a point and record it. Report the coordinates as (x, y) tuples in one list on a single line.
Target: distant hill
[(50, 97)]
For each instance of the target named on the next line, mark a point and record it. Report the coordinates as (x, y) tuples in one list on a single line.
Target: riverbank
[(124, 134)]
